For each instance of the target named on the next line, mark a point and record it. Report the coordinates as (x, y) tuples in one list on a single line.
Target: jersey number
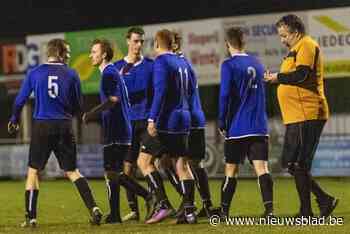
[(252, 82), (184, 79), (52, 87)]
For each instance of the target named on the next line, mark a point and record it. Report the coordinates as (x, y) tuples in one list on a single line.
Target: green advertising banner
[(80, 43)]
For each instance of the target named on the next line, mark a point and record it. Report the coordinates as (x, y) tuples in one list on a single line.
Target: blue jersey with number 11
[(197, 114), (172, 91), (242, 107)]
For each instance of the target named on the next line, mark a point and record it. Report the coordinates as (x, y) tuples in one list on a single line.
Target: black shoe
[(181, 210), (191, 218), (96, 216), (187, 219), (181, 219), (151, 206), (267, 214), (327, 206), (215, 211), (31, 223), (112, 219)]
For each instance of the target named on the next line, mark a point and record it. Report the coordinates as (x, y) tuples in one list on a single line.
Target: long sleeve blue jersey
[(197, 114), (138, 80), (115, 121), (242, 107), (172, 91), (57, 93)]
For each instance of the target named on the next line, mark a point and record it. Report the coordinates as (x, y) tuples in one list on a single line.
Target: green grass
[(61, 211)]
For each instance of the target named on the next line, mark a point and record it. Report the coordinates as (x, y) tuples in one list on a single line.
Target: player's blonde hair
[(165, 39), (57, 48)]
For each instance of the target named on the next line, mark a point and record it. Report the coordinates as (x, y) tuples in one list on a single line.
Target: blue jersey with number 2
[(242, 107)]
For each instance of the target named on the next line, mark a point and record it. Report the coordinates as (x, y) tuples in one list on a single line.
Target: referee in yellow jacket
[(304, 110)]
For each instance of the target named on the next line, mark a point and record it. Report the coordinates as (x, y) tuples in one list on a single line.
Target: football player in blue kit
[(57, 93), (196, 138), (169, 125), (243, 120), (116, 128), (136, 71)]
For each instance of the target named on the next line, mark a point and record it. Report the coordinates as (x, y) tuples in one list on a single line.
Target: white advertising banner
[(202, 44), (331, 28)]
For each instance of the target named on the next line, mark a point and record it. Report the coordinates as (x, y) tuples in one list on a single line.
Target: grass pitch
[(60, 209)]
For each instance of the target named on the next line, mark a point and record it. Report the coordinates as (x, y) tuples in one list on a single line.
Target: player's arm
[(160, 87), (21, 99), (111, 90), (77, 97), (160, 75), (112, 100), (225, 87)]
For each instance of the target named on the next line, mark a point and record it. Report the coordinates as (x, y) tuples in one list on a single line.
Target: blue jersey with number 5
[(57, 92), (172, 91), (242, 105)]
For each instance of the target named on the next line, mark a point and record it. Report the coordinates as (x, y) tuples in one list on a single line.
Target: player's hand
[(222, 132), (151, 128), (12, 127), (86, 117), (270, 77)]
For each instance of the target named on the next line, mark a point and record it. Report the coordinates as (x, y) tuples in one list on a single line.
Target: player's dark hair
[(106, 47), (165, 38), (293, 22), (177, 39), (136, 30), (57, 48), (235, 37)]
